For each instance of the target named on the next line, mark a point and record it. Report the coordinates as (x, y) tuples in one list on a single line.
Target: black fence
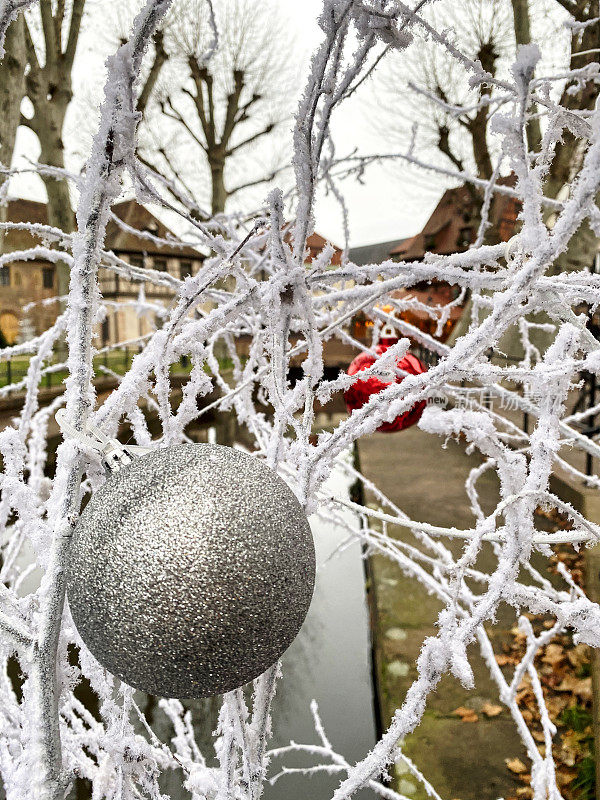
[(13, 371)]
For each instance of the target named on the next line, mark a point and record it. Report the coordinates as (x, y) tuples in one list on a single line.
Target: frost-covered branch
[(255, 308)]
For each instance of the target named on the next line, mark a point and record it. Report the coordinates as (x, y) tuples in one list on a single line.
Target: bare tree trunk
[(12, 91), (49, 89), (49, 129), (48, 125), (60, 214), (522, 22), (522, 27), (583, 246), (218, 201), (219, 193), (478, 130), (581, 252)]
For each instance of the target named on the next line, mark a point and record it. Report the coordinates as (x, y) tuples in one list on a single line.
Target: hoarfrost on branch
[(255, 283)]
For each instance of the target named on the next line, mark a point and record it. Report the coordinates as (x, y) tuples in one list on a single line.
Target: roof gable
[(130, 212), (452, 224)]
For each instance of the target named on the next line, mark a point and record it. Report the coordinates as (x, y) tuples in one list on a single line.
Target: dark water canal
[(329, 662)]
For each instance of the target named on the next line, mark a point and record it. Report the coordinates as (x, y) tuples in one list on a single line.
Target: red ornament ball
[(361, 390)]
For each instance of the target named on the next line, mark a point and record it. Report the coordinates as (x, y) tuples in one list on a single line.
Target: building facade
[(28, 287), (451, 228)]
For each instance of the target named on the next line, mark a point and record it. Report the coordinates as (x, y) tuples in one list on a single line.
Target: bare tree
[(579, 97), (215, 111), (12, 91), (12, 88), (579, 94), (452, 116), (52, 35)]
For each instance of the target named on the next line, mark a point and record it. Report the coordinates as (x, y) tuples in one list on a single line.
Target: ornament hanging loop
[(115, 455)]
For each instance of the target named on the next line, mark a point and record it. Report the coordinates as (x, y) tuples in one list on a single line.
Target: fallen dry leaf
[(525, 791), (567, 754), (572, 745), (555, 705), (503, 660), (465, 714), (553, 655), (515, 765), (564, 776), (525, 694), (525, 682), (579, 655), (582, 687), (491, 710)]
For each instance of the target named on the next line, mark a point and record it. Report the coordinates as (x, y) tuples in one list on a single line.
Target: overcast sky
[(390, 204)]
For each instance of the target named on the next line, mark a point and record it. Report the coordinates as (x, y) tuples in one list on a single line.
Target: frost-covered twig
[(256, 300)]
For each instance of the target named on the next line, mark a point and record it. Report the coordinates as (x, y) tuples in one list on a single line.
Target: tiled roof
[(316, 243), (118, 240), (138, 217), (373, 253), (452, 227)]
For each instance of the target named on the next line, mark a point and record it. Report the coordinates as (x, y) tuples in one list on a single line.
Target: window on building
[(4, 276), (105, 331), (136, 260), (160, 264), (465, 236), (48, 277), (185, 268)]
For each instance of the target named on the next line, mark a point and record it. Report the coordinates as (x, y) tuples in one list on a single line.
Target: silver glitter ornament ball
[(191, 571)]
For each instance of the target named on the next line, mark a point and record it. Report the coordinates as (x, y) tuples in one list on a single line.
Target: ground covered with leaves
[(564, 669)]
